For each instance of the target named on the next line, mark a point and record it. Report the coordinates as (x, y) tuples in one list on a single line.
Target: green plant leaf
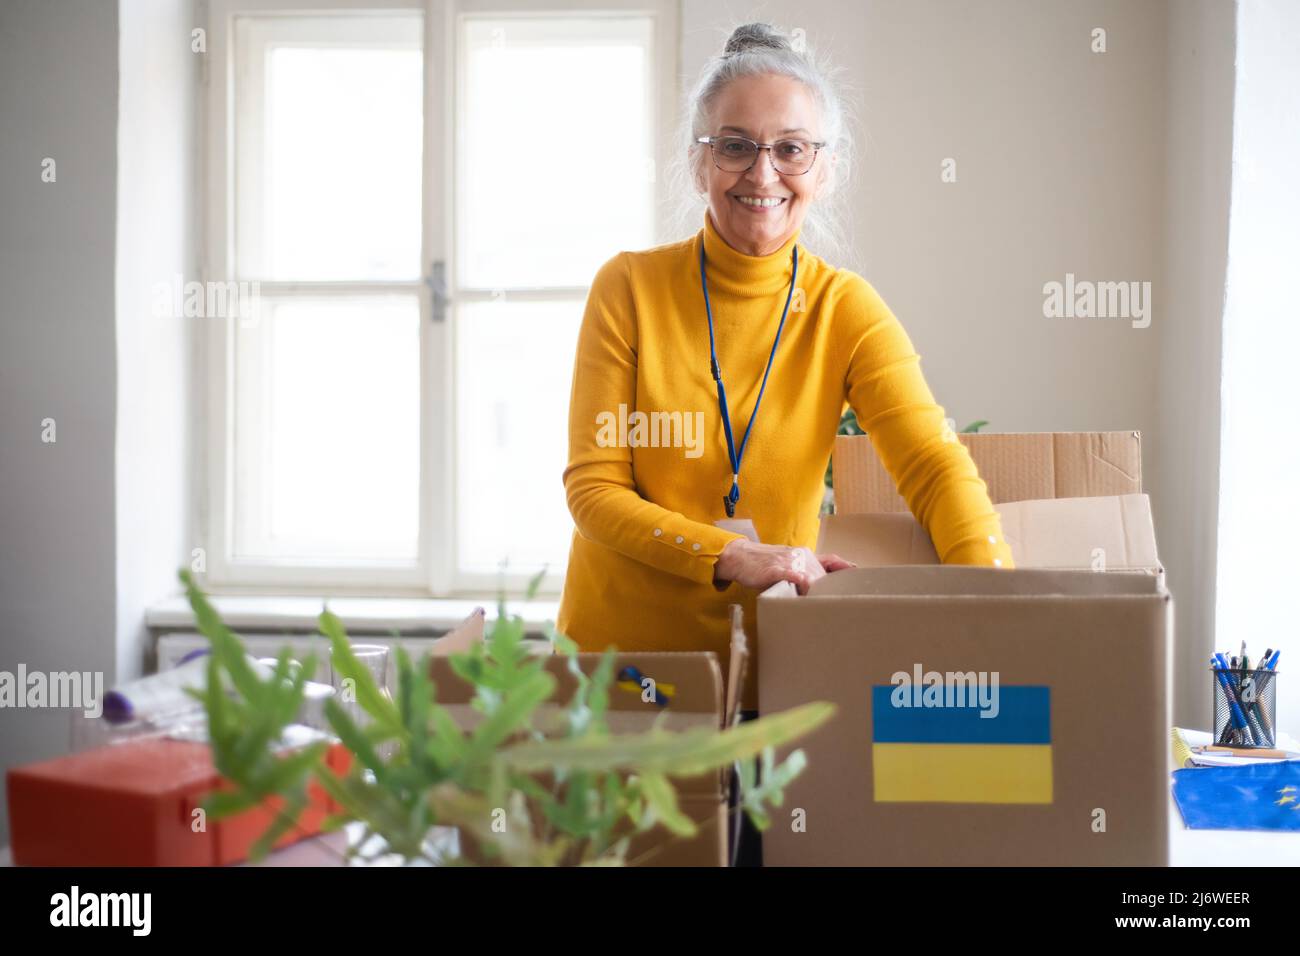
[(345, 662), (281, 823), (353, 738), (224, 803), (573, 798), (290, 772), (448, 743), (662, 799), (509, 718), (226, 647), (535, 583), (684, 754)]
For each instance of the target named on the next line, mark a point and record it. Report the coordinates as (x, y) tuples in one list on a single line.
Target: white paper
[(743, 526)]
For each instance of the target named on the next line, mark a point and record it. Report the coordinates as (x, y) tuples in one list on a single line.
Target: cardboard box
[(1074, 666), (696, 695), (1083, 534), (1015, 466)]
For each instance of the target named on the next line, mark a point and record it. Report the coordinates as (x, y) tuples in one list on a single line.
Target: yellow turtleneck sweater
[(640, 572)]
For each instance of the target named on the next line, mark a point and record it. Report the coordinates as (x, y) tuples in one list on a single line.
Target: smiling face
[(757, 211)]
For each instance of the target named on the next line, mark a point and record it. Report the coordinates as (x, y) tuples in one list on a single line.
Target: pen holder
[(1245, 707)]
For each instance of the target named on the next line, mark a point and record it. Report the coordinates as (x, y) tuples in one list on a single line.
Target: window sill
[(409, 616)]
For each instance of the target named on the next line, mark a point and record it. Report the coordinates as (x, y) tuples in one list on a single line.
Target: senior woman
[(744, 329)]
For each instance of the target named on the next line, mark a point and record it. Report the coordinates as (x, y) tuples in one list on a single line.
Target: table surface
[(1186, 847)]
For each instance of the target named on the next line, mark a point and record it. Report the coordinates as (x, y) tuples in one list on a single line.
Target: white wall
[(1199, 158), (58, 99), (1259, 523), (157, 209)]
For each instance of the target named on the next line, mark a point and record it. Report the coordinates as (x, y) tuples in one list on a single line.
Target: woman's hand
[(759, 566)]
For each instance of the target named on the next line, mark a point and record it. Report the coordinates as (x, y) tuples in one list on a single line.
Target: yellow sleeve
[(932, 470), (602, 494)]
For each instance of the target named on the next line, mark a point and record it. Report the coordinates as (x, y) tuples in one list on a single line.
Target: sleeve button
[(680, 539), (695, 546), (658, 532)]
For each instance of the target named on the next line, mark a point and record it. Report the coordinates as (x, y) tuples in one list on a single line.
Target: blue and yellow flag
[(955, 755)]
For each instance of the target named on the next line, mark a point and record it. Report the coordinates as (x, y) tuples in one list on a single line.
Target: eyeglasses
[(736, 154)]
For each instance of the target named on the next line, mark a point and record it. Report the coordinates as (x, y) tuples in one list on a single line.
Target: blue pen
[(1255, 734), (1255, 718), (1228, 735), (1224, 677), (1258, 707), (1271, 665)]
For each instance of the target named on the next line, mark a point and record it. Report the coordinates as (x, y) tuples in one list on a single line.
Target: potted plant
[(413, 768)]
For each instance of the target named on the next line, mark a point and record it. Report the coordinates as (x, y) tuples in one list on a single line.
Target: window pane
[(556, 153), (515, 362), (327, 430), (330, 148)]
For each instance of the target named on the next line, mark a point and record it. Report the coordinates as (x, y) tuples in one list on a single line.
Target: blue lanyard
[(729, 500)]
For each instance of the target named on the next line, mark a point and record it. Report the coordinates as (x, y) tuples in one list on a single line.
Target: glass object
[(374, 658), (736, 154)]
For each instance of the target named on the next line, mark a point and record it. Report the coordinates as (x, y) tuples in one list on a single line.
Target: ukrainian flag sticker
[(946, 754)]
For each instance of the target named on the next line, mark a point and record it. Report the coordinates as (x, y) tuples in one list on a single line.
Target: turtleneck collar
[(730, 270)]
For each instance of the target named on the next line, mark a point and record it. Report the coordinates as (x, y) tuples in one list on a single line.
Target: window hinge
[(436, 281)]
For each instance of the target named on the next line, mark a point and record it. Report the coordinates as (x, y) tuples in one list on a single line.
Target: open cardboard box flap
[(691, 682), (689, 685), (693, 694), (936, 581), (1015, 466), (461, 637), (738, 667), (1112, 533)]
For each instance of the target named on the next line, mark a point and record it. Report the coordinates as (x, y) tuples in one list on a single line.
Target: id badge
[(743, 526)]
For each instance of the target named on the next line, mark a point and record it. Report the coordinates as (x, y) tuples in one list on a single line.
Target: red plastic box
[(133, 804)]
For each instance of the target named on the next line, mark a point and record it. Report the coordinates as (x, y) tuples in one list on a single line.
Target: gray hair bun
[(755, 36)]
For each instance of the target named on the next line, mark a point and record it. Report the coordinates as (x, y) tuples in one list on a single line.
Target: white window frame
[(434, 572)]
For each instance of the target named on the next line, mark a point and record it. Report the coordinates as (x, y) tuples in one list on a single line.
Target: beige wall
[(1112, 166), (1059, 159)]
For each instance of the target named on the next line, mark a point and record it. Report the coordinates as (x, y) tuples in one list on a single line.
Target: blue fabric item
[(1263, 796)]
